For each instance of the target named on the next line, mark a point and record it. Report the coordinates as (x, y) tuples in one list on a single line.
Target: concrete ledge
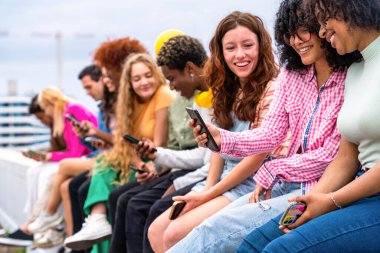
[(13, 168)]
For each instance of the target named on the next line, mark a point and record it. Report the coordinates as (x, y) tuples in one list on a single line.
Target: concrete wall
[(13, 167)]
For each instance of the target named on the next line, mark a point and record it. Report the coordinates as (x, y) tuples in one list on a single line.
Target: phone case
[(133, 140), (194, 114), (72, 118), (176, 209), (292, 213), (130, 138)]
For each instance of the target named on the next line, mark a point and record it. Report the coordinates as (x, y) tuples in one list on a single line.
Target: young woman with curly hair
[(240, 72), (141, 111), (307, 101), (342, 213)]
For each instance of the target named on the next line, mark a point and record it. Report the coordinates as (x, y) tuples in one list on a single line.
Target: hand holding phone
[(195, 115), (134, 140), (292, 213), (36, 155), (176, 209)]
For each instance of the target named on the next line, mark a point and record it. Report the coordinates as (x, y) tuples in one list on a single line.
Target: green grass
[(4, 249)]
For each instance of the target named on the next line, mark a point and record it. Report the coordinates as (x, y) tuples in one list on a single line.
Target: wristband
[(334, 201)]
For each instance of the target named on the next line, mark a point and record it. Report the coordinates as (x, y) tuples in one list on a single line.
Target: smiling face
[(143, 82), (241, 51), (340, 35), (180, 81), (107, 80), (310, 51)]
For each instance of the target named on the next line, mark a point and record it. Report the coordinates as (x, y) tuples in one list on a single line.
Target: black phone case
[(194, 114), (176, 210), (133, 140)]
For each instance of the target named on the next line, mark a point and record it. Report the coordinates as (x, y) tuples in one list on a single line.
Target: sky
[(28, 29)]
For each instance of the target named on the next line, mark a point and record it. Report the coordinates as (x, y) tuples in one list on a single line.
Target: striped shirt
[(310, 114)]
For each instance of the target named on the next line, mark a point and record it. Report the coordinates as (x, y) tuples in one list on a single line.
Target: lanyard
[(306, 136)]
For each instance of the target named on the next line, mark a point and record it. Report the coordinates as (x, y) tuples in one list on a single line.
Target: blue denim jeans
[(355, 228), (225, 230)]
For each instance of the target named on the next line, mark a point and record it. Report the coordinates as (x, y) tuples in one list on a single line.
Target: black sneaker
[(17, 238)]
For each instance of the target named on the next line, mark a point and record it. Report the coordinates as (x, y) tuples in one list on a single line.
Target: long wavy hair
[(120, 156), (55, 98), (111, 55), (223, 82), (291, 16)]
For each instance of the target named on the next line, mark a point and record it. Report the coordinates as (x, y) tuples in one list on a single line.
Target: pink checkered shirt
[(293, 105)]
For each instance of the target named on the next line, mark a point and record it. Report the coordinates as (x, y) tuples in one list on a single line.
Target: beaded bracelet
[(334, 201)]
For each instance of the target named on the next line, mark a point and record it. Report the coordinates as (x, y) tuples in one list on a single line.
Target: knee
[(172, 235), (62, 166), (155, 232)]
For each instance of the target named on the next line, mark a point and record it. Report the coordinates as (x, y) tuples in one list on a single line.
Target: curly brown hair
[(356, 13), (111, 55), (222, 80)]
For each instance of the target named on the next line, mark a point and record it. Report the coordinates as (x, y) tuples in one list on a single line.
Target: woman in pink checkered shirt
[(307, 100)]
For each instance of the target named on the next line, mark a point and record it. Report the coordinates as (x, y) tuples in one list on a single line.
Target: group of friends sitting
[(302, 129)]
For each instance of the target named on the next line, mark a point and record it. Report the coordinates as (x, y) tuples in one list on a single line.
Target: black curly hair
[(180, 49), (356, 13), (289, 17)]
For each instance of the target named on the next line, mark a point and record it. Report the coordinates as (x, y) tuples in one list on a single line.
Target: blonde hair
[(55, 98), (120, 156)]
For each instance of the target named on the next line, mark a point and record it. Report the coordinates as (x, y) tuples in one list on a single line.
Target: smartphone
[(93, 139), (292, 213), (134, 168), (195, 115), (35, 153), (176, 209), (133, 140), (72, 119)]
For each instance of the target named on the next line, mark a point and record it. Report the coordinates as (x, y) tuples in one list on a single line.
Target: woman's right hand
[(201, 138)]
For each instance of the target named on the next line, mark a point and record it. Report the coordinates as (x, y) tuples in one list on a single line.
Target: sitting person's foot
[(95, 229), (17, 238), (50, 238), (45, 221)]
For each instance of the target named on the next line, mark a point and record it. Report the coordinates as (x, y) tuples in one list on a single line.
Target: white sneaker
[(45, 221), (51, 238), (95, 229)]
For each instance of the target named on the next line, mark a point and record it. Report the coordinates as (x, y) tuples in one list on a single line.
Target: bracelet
[(333, 200)]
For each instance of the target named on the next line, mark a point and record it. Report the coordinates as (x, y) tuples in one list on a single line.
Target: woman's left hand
[(192, 200), (317, 204)]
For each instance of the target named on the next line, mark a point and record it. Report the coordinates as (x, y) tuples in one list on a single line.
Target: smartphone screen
[(292, 213), (194, 114)]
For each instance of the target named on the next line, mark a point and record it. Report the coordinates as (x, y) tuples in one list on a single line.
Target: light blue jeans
[(225, 230), (355, 228)]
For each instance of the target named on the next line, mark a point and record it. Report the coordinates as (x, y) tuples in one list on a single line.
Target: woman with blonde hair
[(55, 105), (141, 111)]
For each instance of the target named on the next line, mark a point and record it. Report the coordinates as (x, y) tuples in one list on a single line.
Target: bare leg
[(68, 168), (163, 233), (99, 208), (67, 207)]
